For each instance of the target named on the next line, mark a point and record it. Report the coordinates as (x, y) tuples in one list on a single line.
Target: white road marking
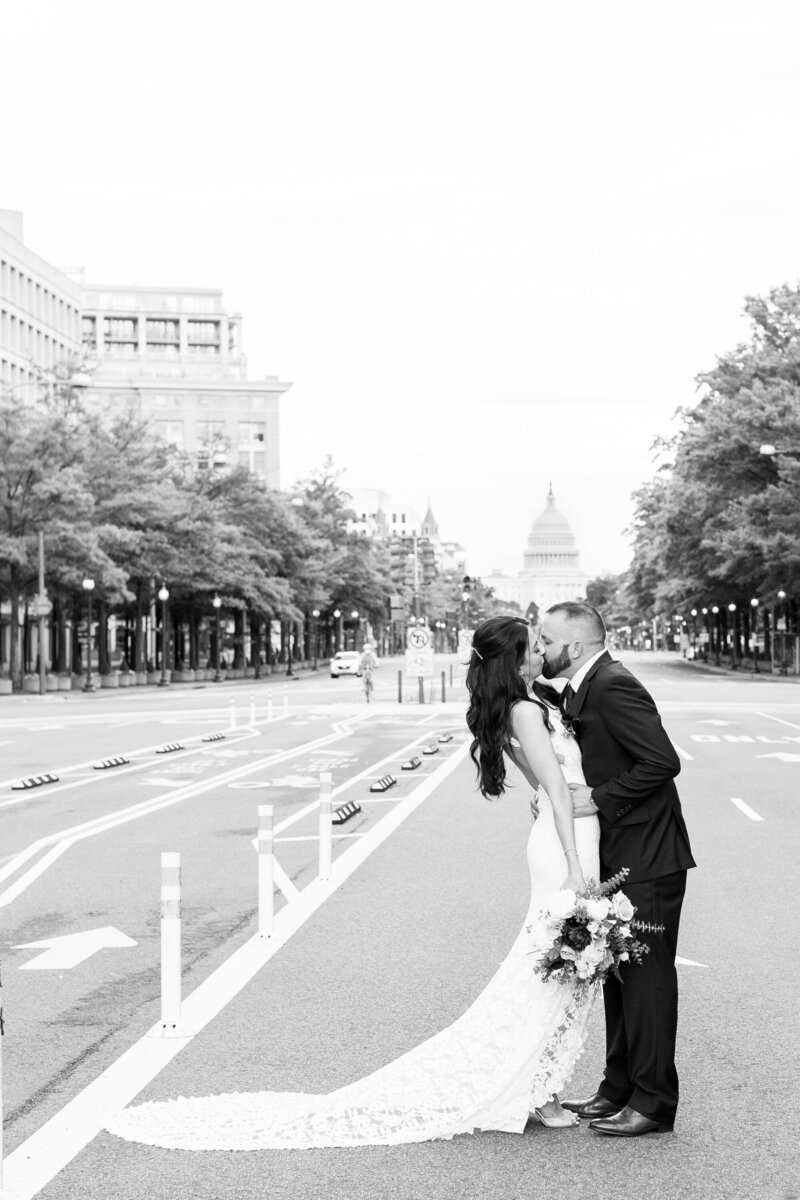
[(782, 756), (682, 753), (688, 962), (780, 720), (63, 953), (31, 1166), (745, 808), (714, 722), (69, 778), (62, 840), (314, 837), (67, 837)]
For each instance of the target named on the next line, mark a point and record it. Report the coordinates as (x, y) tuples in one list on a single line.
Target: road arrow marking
[(688, 962), (62, 953), (782, 756)]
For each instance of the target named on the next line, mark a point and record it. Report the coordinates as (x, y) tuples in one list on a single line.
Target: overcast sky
[(491, 245)]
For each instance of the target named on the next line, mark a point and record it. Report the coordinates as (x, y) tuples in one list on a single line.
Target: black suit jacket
[(630, 765)]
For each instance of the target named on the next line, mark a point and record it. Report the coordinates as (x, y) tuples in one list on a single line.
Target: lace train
[(515, 1046)]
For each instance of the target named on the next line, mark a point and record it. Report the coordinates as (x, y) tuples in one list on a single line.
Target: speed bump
[(169, 747), (383, 784), (446, 737), (346, 811), (214, 737), (120, 761), (432, 749), (33, 781), (412, 764)]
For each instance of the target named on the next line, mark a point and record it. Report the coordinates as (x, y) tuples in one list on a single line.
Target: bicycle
[(369, 686)]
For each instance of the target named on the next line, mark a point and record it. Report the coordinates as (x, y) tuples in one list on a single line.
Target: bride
[(507, 1057)]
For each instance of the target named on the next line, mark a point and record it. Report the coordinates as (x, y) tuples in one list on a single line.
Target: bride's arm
[(528, 727)]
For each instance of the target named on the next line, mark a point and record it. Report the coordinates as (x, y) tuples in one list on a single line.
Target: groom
[(629, 764)]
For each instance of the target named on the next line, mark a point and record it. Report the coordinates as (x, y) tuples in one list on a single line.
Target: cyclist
[(366, 665)]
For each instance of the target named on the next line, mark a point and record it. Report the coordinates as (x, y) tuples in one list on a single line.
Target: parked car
[(346, 662)]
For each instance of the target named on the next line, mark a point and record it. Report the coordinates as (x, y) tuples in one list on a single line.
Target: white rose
[(622, 906), (562, 904), (597, 910)]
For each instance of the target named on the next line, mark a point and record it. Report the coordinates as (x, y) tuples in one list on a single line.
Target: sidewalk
[(743, 671)]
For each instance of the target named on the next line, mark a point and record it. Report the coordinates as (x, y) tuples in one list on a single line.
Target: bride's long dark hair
[(495, 685)]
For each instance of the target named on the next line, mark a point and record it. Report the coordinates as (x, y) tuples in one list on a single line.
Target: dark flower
[(576, 934)]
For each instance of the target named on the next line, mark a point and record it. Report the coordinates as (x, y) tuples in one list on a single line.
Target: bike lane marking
[(61, 841), (36, 1161)]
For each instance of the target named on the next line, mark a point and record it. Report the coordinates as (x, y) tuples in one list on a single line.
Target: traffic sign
[(419, 663), (419, 637), (42, 605)]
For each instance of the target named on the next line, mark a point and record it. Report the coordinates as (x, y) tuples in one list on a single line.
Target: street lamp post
[(337, 613), (314, 638), (354, 616), (732, 611), (715, 611), (694, 633), (88, 587), (217, 606), (754, 636), (705, 634), (163, 595), (785, 621)]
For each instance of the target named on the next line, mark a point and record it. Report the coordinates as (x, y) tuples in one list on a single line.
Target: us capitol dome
[(551, 569)]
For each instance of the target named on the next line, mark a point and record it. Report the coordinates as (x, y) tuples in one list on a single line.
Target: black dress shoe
[(628, 1123), (595, 1106)]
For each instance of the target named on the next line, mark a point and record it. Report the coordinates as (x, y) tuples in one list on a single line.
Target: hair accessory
[(477, 651)]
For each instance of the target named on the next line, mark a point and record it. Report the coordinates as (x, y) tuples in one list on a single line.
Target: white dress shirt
[(582, 672)]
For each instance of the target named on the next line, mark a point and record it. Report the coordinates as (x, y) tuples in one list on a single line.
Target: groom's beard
[(551, 670)]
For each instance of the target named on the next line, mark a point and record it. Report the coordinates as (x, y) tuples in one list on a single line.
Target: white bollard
[(252, 708), (171, 944), (269, 708), (232, 724), (285, 699), (266, 872), (325, 825)]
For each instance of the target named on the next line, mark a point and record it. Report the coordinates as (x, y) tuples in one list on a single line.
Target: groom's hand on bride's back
[(582, 803)]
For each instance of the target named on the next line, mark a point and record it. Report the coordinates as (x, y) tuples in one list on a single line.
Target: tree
[(719, 520)]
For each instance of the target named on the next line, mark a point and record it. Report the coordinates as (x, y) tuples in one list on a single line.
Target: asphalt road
[(391, 954)]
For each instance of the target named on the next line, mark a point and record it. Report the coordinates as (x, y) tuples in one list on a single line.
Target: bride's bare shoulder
[(526, 714)]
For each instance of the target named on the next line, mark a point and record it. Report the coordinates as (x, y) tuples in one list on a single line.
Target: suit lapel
[(578, 699)]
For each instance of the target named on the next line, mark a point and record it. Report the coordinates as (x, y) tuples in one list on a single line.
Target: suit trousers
[(642, 1011)]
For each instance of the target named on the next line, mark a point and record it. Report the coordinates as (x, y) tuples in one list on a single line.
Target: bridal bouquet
[(583, 939)]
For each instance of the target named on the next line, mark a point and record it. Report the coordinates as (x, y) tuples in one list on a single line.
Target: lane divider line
[(682, 753), (780, 720), (37, 1160), (746, 809), (67, 837)]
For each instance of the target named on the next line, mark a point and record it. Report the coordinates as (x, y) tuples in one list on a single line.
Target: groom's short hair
[(585, 615)]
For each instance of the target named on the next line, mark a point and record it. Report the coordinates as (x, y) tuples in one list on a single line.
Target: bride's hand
[(574, 881)]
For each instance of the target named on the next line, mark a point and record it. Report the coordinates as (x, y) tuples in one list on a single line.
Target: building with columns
[(175, 354), (551, 569)]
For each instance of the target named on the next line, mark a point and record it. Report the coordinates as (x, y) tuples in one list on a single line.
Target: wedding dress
[(507, 1054)]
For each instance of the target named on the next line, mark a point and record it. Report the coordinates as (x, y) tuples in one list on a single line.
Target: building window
[(251, 432), (171, 432), (120, 329), (89, 332), (203, 336)]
